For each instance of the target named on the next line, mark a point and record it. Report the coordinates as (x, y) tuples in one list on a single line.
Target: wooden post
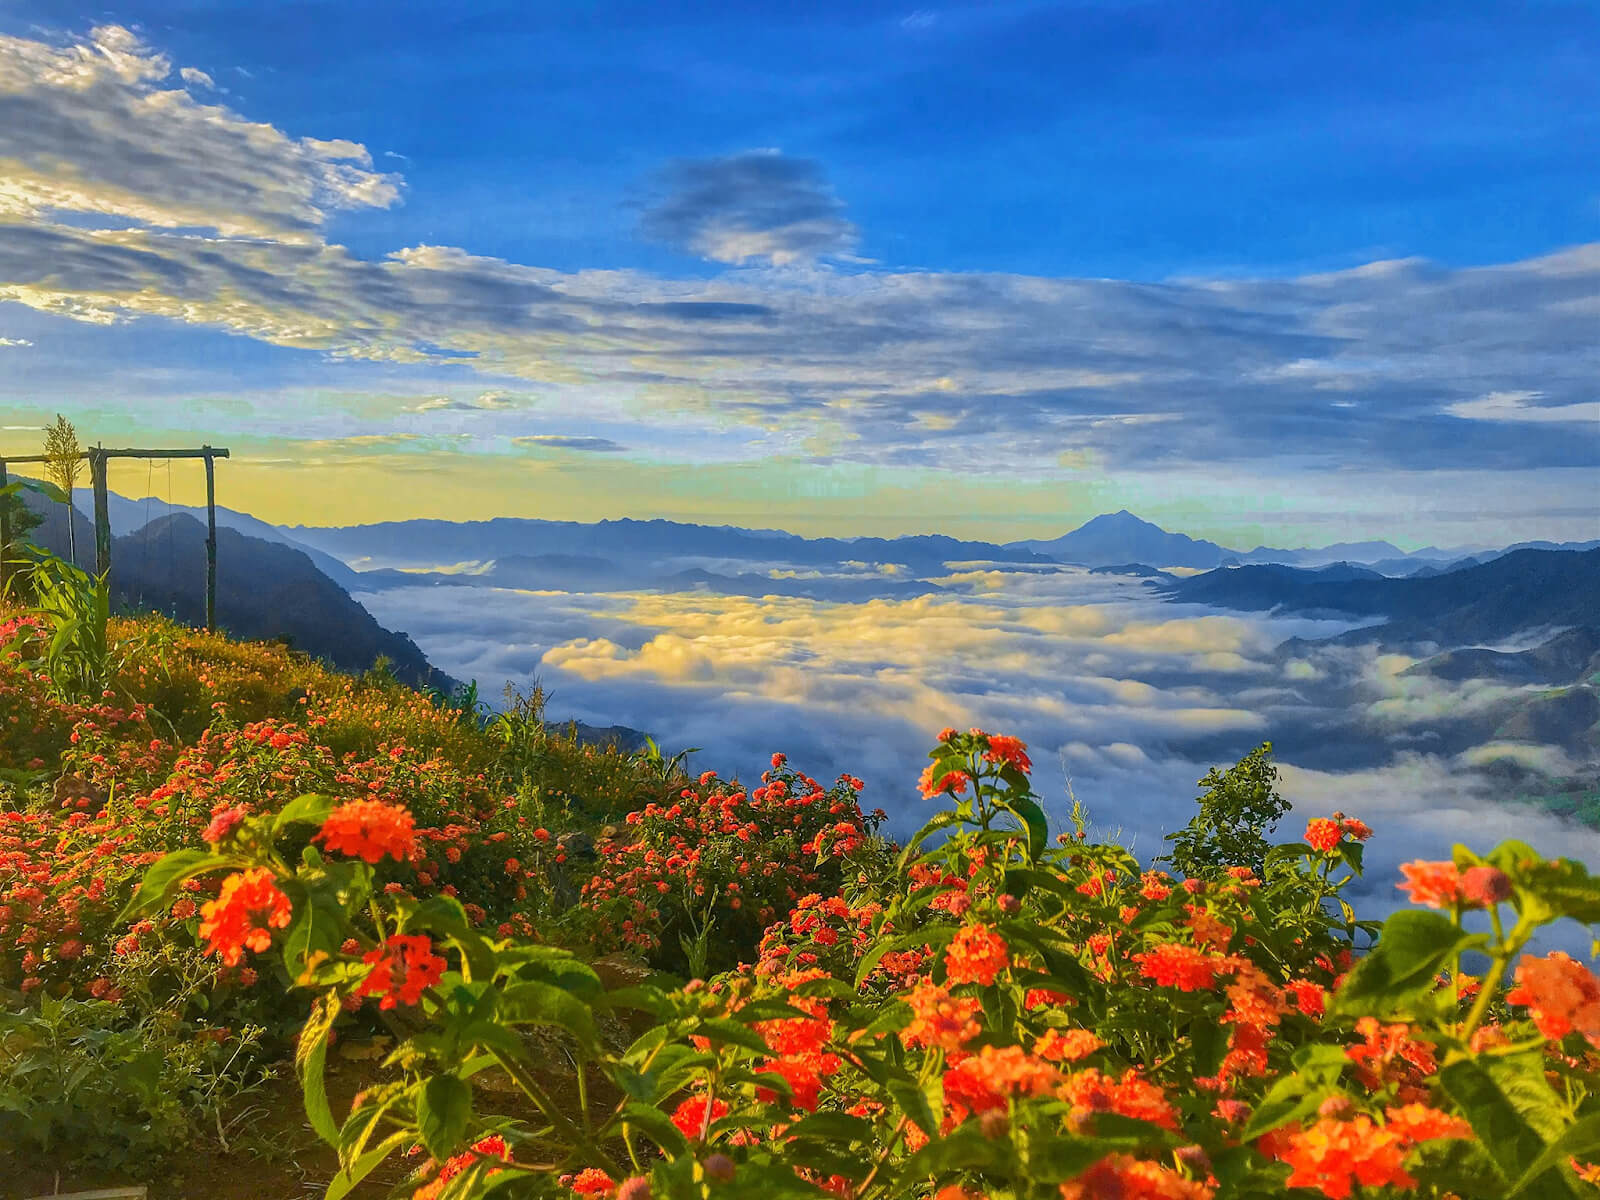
[(5, 534), (102, 512), (211, 541)]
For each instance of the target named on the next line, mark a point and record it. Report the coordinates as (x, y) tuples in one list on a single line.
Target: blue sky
[(784, 263)]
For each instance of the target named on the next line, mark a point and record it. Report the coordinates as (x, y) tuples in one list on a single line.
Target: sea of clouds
[(1126, 700)]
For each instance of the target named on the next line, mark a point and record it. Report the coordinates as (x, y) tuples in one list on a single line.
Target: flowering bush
[(995, 1017), (719, 864)]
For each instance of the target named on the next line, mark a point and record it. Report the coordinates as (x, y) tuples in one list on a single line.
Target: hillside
[(265, 590), (1526, 589)]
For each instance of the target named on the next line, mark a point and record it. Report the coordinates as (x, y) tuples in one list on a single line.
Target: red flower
[(229, 923), (975, 955), (954, 782), (1011, 750), (984, 1081), (1173, 964), (694, 1116), (369, 829), (402, 969), (1323, 835), (1333, 1156)]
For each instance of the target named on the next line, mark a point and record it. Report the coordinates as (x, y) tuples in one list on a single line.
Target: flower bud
[(636, 1187), (1485, 885), (719, 1167), (1009, 904), (994, 1124), (1336, 1107), (1194, 1160)]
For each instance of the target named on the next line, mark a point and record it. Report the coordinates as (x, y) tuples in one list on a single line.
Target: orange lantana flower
[(369, 829), (402, 969), (1173, 964), (1129, 1178), (1067, 1045), (1333, 1156), (1323, 835), (1561, 994), (1435, 884), (230, 922), (986, 1080), (976, 955), (940, 1019)]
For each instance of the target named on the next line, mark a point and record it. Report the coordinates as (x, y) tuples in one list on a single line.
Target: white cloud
[(88, 127), (1514, 406), (4, 341)]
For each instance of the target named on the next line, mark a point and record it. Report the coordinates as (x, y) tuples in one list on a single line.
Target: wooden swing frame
[(98, 457)]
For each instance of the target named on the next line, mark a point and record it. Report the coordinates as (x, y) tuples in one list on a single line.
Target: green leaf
[(443, 1110), (831, 1127), (532, 1002), (720, 1029), (1412, 948), (303, 810), (1581, 1140), (349, 1178), (656, 1125), (310, 1057), (915, 1103), (1513, 1112), (1033, 820), (164, 876)]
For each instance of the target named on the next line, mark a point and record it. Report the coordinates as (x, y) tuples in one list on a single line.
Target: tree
[(1241, 806), (63, 466)]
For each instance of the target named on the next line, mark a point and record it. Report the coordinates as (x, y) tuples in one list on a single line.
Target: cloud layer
[(1125, 700)]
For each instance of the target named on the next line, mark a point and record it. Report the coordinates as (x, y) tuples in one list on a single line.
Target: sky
[(1262, 272)]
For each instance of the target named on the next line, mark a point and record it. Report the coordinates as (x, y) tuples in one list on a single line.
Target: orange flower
[(1435, 884), (940, 1019), (1067, 1046), (694, 1116), (1173, 964), (1123, 1177), (1561, 995), (1323, 835), (954, 782), (1332, 1156), (229, 922), (1011, 750), (369, 829), (1092, 1091), (975, 955), (1420, 1123), (492, 1147), (986, 1080), (402, 969), (1356, 828)]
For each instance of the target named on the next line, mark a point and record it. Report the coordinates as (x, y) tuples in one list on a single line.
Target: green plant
[(63, 466), (663, 768), (78, 606), (117, 1091), (1240, 808)]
